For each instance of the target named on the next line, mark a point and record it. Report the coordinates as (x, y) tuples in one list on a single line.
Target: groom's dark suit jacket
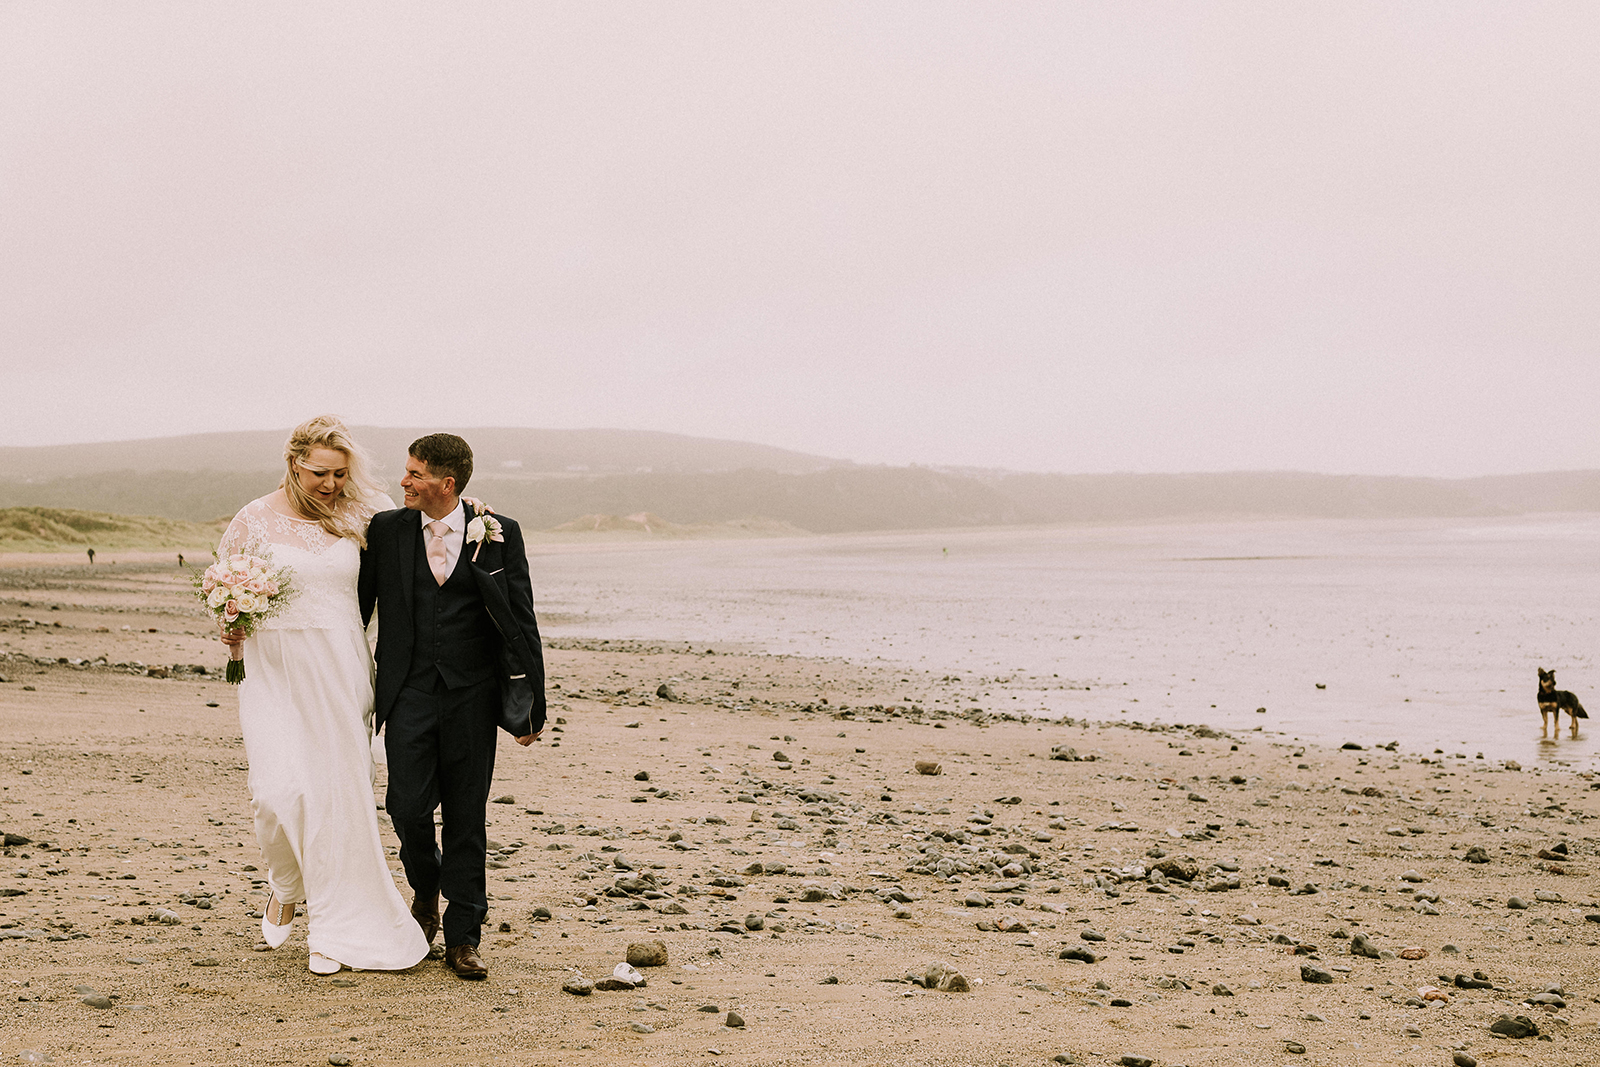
[(479, 624)]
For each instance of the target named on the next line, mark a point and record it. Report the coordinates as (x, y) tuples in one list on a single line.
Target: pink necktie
[(437, 559)]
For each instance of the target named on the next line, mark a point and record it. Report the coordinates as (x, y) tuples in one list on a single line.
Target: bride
[(305, 709)]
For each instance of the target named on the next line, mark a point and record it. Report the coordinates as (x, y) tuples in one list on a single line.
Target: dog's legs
[(1573, 715), (1544, 722)]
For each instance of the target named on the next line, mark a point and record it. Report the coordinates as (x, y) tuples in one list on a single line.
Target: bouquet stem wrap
[(235, 664)]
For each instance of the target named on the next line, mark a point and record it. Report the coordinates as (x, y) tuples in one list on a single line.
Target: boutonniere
[(483, 527)]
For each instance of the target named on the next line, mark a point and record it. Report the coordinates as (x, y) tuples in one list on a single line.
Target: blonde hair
[(362, 493)]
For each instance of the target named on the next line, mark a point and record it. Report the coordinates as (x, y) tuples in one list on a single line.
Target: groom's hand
[(528, 739)]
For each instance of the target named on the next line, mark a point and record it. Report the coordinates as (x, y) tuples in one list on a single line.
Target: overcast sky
[(1339, 237)]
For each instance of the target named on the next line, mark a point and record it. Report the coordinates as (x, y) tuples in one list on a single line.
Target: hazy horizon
[(1146, 237), (272, 461), (547, 478)]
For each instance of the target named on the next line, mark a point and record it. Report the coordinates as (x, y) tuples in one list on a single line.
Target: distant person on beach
[(458, 655), (180, 559), (91, 557), (305, 708)]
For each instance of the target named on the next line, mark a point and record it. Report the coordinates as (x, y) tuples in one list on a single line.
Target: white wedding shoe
[(275, 933), (321, 964)]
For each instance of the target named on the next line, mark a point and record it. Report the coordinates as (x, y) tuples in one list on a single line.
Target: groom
[(458, 655)]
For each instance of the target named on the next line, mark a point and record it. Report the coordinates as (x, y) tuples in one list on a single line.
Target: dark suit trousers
[(440, 745)]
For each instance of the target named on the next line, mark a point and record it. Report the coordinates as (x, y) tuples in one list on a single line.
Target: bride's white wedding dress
[(305, 708)]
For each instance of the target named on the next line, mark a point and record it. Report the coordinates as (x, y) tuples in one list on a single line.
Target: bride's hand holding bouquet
[(242, 591)]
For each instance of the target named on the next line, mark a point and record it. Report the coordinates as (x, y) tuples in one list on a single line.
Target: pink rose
[(231, 610), (272, 587), (256, 585)]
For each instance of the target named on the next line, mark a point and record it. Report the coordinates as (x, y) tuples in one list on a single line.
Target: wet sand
[(1425, 632), (137, 879)]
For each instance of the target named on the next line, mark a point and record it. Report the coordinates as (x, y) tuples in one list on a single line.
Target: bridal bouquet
[(241, 591)]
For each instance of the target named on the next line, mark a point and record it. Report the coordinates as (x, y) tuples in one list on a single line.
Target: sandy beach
[(1221, 897)]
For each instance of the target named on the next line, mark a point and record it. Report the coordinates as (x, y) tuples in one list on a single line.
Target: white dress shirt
[(454, 536)]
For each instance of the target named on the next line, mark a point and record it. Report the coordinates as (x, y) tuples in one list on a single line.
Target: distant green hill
[(196, 496), (549, 478), (63, 529), (510, 449)]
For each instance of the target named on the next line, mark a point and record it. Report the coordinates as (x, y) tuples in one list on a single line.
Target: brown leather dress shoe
[(426, 912), (465, 961)]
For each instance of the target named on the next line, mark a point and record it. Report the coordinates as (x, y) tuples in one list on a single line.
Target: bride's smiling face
[(322, 474)]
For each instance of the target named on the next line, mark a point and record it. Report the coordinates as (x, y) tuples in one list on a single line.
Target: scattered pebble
[(943, 977), (1514, 1026), (622, 977), (649, 953)]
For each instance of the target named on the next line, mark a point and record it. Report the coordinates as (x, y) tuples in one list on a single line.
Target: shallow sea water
[(1426, 632)]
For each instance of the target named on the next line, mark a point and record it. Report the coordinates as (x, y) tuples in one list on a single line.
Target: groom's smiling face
[(434, 497)]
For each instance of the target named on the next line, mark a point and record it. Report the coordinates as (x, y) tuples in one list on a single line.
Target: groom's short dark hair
[(447, 456)]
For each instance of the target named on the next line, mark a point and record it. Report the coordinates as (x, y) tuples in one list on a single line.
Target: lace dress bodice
[(324, 567)]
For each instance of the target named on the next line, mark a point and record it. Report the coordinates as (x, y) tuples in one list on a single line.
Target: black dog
[(1556, 700)]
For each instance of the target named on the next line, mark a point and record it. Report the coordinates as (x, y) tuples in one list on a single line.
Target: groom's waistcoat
[(455, 638)]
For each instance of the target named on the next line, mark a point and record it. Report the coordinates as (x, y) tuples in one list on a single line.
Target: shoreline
[(1373, 632), (1552, 756), (1036, 697)]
